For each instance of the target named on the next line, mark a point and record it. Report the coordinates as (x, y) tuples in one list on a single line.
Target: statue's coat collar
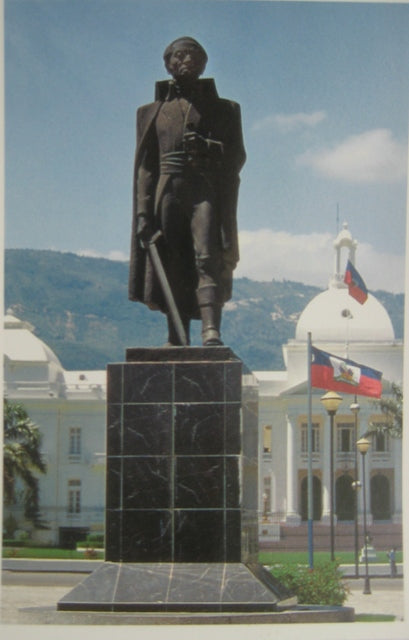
[(205, 87)]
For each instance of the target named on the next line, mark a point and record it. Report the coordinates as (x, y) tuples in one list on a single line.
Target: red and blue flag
[(356, 286), (333, 373)]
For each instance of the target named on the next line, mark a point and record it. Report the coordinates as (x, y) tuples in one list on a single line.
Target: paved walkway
[(24, 605), (34, 601), (381, 600), (87, 566), (374, 570)]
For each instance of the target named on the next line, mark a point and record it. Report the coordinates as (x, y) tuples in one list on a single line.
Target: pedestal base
[(371, 554), (181, 507), (178, 587)]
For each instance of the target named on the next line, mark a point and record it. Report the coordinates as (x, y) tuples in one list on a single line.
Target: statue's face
[(186, 63)]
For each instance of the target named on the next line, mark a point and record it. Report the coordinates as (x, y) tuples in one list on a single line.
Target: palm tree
[(22, 458), (391, 408)]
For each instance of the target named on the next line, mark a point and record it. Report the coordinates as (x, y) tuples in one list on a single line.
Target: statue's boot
[(173, 338), (210, 313)]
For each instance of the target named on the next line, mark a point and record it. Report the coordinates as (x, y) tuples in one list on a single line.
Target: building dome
[(30, 364), (335, 316)]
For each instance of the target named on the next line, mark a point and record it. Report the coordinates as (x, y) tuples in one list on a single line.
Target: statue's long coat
[(220, 120)]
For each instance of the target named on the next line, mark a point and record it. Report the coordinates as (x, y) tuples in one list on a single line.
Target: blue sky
[(324, 92)]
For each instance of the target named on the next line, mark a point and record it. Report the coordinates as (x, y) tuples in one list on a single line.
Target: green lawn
[(265, 557), (301, 557), (374, 617), (47, 553)]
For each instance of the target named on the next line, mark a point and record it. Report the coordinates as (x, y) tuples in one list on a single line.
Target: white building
[(69, 408), (363, 333)]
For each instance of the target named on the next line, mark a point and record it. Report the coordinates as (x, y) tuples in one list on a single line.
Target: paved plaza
[(30, 597)]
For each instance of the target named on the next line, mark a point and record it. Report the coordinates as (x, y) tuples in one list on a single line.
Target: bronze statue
[(188, 158)]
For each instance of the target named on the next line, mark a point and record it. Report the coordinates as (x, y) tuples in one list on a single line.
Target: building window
[(74, 496), (315, 438), (267, 439), (75, 441), (345, 437), (380, 441)]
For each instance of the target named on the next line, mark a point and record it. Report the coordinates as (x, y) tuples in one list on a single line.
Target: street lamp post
[(363, 445), (331, 401), (354, 407)]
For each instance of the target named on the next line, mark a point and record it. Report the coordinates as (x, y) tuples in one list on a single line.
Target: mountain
[(79, 307)]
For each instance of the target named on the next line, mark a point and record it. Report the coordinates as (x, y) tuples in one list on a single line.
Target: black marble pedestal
[(178, 587), (181, 503), (175, 465)]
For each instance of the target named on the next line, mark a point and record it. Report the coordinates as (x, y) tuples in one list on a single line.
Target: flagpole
[(310, 479)]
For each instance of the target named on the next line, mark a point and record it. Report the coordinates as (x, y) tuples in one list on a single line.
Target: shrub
[(94, 540), (13, 543), (23, 536), (321, 585)]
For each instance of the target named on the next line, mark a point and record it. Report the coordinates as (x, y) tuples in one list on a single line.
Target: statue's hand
[(194, 143), (144, 228)]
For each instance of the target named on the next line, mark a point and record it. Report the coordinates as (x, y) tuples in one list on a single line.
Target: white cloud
[(309, 258), (381, 270), (289, 122), (372, 156), (113, 254)]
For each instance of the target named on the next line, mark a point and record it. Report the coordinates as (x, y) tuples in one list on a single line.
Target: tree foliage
[(391, 409), (22, 460)]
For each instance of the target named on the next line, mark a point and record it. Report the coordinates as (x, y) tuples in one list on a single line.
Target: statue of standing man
[(188, 159)]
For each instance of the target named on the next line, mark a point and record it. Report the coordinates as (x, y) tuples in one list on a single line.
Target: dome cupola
[(335, 316)]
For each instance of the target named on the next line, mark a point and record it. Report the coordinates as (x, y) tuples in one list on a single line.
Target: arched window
[(380, 497), (344, 498)]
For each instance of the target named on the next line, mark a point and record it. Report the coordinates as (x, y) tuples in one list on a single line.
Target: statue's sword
[(166, 290)]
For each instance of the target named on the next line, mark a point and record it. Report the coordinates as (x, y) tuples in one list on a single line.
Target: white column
[(292, 515), (396, 452), (273, 500), (360, 491), (326, 476), (368, 467), (367, 486)]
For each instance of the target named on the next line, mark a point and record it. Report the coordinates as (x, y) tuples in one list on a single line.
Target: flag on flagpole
[(338, 374), (356, 286)]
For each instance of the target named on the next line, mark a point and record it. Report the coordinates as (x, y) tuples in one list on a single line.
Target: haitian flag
[(356, 286), (338, 374)]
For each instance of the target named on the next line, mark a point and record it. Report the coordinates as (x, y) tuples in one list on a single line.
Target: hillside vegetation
[(79, 307)]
